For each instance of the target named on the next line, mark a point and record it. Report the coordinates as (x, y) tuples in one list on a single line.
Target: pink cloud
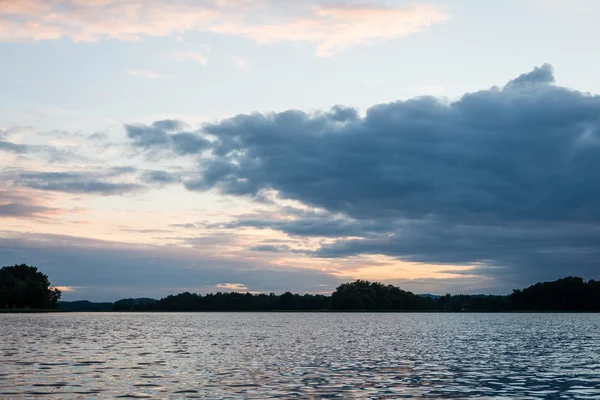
[(331, 29), (334, 29)]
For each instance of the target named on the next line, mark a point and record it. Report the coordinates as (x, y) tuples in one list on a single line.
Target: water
[(298, 355)]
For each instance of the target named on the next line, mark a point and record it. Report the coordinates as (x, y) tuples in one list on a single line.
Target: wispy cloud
[(141, 73), (336, 28), (330, 28), (197, 56), (69, 289), (239, 62), (17, 203), (75, 182), (235, 287)]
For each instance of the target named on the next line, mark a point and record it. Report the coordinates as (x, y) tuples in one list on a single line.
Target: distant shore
[(28, 310), (44, 311), (570, 294)]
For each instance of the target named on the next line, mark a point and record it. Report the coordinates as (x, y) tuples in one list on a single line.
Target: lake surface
[(299, 355)]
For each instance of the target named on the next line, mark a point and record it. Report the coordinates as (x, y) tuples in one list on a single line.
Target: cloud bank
[(504, 179)]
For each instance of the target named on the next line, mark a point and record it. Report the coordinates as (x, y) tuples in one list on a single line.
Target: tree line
[(567, 294), (22, 286)]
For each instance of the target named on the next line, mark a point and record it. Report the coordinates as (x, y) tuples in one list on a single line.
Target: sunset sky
[(151, 147)]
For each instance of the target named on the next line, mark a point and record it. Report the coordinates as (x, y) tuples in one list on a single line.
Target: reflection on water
[(297, 355)]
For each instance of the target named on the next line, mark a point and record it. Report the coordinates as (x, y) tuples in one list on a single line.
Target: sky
[(152, 147)]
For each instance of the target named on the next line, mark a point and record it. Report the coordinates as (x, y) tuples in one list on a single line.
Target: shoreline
[(47, 311)]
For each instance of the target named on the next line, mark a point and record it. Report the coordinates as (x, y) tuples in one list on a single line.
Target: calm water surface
[(296, 355)]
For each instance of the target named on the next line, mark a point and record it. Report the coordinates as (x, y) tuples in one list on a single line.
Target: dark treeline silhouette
[(84, 305), (567, 294), (240, 302), (133, 304), (22, 286)]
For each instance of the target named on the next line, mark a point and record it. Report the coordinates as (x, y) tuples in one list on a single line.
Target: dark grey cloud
[(51, 153), (508, 154), (119, 171), (522, 252), (159, 177), (159, 136), (19, 210), (506, 177), (308, 223), (169, 125), (147, 136), (342, 114), (14, 147), (271, 248), (77, 182), (539, 75), (188, 143)]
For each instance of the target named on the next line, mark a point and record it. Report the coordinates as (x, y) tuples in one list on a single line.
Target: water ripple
[(308, 356)]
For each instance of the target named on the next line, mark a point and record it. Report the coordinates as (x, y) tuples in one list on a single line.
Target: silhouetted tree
[(567, 294), (22, 286), (365, 295), (85, 305), (145, 304)]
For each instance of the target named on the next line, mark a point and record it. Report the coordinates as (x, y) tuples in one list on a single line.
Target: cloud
[(234, 287), (330, 27), (68, 289), (76, 182), (540, 75), (336, 28), (140, 73), (169, 125), (521, 253), (270, 248), (196, 56), (158, 136), (19, 148), (239, 62), (51, 154), (14, 147), (20, 210), (185, 226), (159, 177), (148, 136), (188, 143), (479, 157), (310, 223), (98, 136), (503, 179), (17, 204)]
